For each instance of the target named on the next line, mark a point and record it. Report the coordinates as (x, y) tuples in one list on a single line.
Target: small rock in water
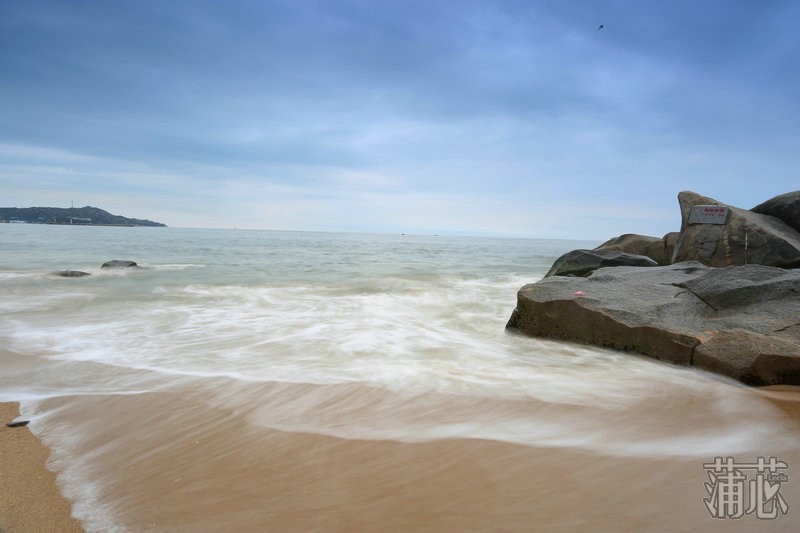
[(119, 263), (72, 274), (18, 424)]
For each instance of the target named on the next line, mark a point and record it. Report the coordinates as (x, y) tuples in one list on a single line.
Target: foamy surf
[(225, 454)]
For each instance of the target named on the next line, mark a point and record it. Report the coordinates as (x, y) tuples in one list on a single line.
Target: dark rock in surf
[(18, 424), (119, 263), (584, 262), (71, 274)]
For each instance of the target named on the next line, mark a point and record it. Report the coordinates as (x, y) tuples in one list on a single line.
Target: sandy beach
[(29, 497), (266, 479)]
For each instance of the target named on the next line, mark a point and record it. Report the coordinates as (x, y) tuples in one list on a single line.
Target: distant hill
[(73, 215)]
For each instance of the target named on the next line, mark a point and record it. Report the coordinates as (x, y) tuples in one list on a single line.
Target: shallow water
[(295, 381)]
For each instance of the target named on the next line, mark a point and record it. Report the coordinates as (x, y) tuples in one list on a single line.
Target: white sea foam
[(12, 275), (447, 337)]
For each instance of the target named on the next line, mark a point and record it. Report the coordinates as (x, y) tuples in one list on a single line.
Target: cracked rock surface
[(741, 321)]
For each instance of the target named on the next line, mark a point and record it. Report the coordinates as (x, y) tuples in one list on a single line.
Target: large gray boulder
[(742, 322), (584, 262), (657, 249), (785, 207), (769, 241)]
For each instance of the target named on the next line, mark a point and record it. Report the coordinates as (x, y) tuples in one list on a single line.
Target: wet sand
[(784, 397), (29, 497), (230, 456), (166, 465)]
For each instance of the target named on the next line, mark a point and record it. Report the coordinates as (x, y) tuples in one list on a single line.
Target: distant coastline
[(72, 216)]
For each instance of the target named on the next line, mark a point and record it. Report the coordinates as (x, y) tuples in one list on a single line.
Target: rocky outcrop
[(658, 249), (785, 207), (71, 274), (670, 240), (769, 240), (742, 322), (753, 358), (584, 262), (119, 263)]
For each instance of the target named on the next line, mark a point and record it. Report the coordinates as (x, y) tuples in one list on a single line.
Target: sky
[(513, 118)]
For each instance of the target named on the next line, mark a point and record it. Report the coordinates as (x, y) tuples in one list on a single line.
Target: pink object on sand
[(579, 293)]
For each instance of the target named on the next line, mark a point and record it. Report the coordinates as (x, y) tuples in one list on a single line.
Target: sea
[(243, 380)]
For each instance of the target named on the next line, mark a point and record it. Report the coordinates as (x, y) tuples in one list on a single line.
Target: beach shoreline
[(30, 498), (32, 502)]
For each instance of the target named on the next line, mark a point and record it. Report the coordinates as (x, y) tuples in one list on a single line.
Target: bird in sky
[(600, 27)]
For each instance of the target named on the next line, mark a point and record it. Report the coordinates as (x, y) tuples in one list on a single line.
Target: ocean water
[(168, 382)]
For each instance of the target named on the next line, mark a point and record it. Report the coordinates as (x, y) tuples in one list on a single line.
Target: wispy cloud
[(375, 116)]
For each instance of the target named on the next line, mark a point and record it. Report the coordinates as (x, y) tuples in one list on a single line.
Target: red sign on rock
[(708, 214)]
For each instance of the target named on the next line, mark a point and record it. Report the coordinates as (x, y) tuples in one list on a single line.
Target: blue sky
[(505, 118)]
